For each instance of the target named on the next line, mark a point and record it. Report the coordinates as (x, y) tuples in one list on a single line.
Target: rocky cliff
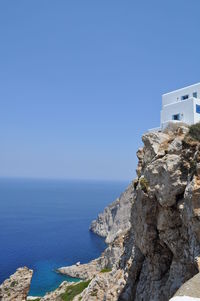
[(165, 213), (115, 219), (161, 241)]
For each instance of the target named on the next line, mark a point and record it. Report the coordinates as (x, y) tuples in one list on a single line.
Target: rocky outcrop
[(115, 219), (162, 241), (17, 286), (108, 260), (105, 286), (56, 294), (82, 271), (164, 219)]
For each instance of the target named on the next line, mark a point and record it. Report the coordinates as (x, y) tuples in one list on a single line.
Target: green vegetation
[(38, 299), (74, 290), (144, 184), (106, 270), (194, 132)]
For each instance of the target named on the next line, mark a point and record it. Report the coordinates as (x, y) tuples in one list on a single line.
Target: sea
[(44, 225)]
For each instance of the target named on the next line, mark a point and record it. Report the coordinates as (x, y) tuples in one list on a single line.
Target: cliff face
[(115, 219), (163, 241), (165, 215)]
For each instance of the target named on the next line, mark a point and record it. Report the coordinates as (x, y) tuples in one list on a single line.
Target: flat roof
[(178, 90)]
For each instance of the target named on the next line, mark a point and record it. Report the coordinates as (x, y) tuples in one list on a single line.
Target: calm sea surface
[(44, 225)]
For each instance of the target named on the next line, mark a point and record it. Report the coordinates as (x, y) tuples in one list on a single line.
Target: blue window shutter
[(198, 109)]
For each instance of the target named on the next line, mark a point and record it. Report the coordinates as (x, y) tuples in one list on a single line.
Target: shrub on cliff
[(194, 131), (144, 184), (106, 270)]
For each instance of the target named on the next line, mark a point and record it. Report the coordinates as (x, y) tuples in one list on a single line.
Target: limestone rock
[(165, 219), (105, 286), (115, 218), (56, 294), (176, 146), (16, 288), (83, 271), (191, 288), (166, 179), (152, 144)]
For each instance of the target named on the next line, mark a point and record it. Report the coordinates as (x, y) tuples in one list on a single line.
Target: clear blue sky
[(80, 81)]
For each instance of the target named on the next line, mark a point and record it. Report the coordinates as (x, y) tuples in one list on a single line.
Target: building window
[(194, 94), (184, 97), (198, 109), (176, 117)]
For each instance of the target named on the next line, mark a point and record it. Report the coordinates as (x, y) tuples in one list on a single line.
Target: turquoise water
[(44, 225)]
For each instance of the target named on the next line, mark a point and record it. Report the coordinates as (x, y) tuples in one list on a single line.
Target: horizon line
[(63, 179)]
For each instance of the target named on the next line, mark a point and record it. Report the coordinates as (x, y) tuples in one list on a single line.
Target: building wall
[(185, 108), (175, 96)]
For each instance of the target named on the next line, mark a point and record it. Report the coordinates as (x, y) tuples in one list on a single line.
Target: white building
[(181, 105)]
